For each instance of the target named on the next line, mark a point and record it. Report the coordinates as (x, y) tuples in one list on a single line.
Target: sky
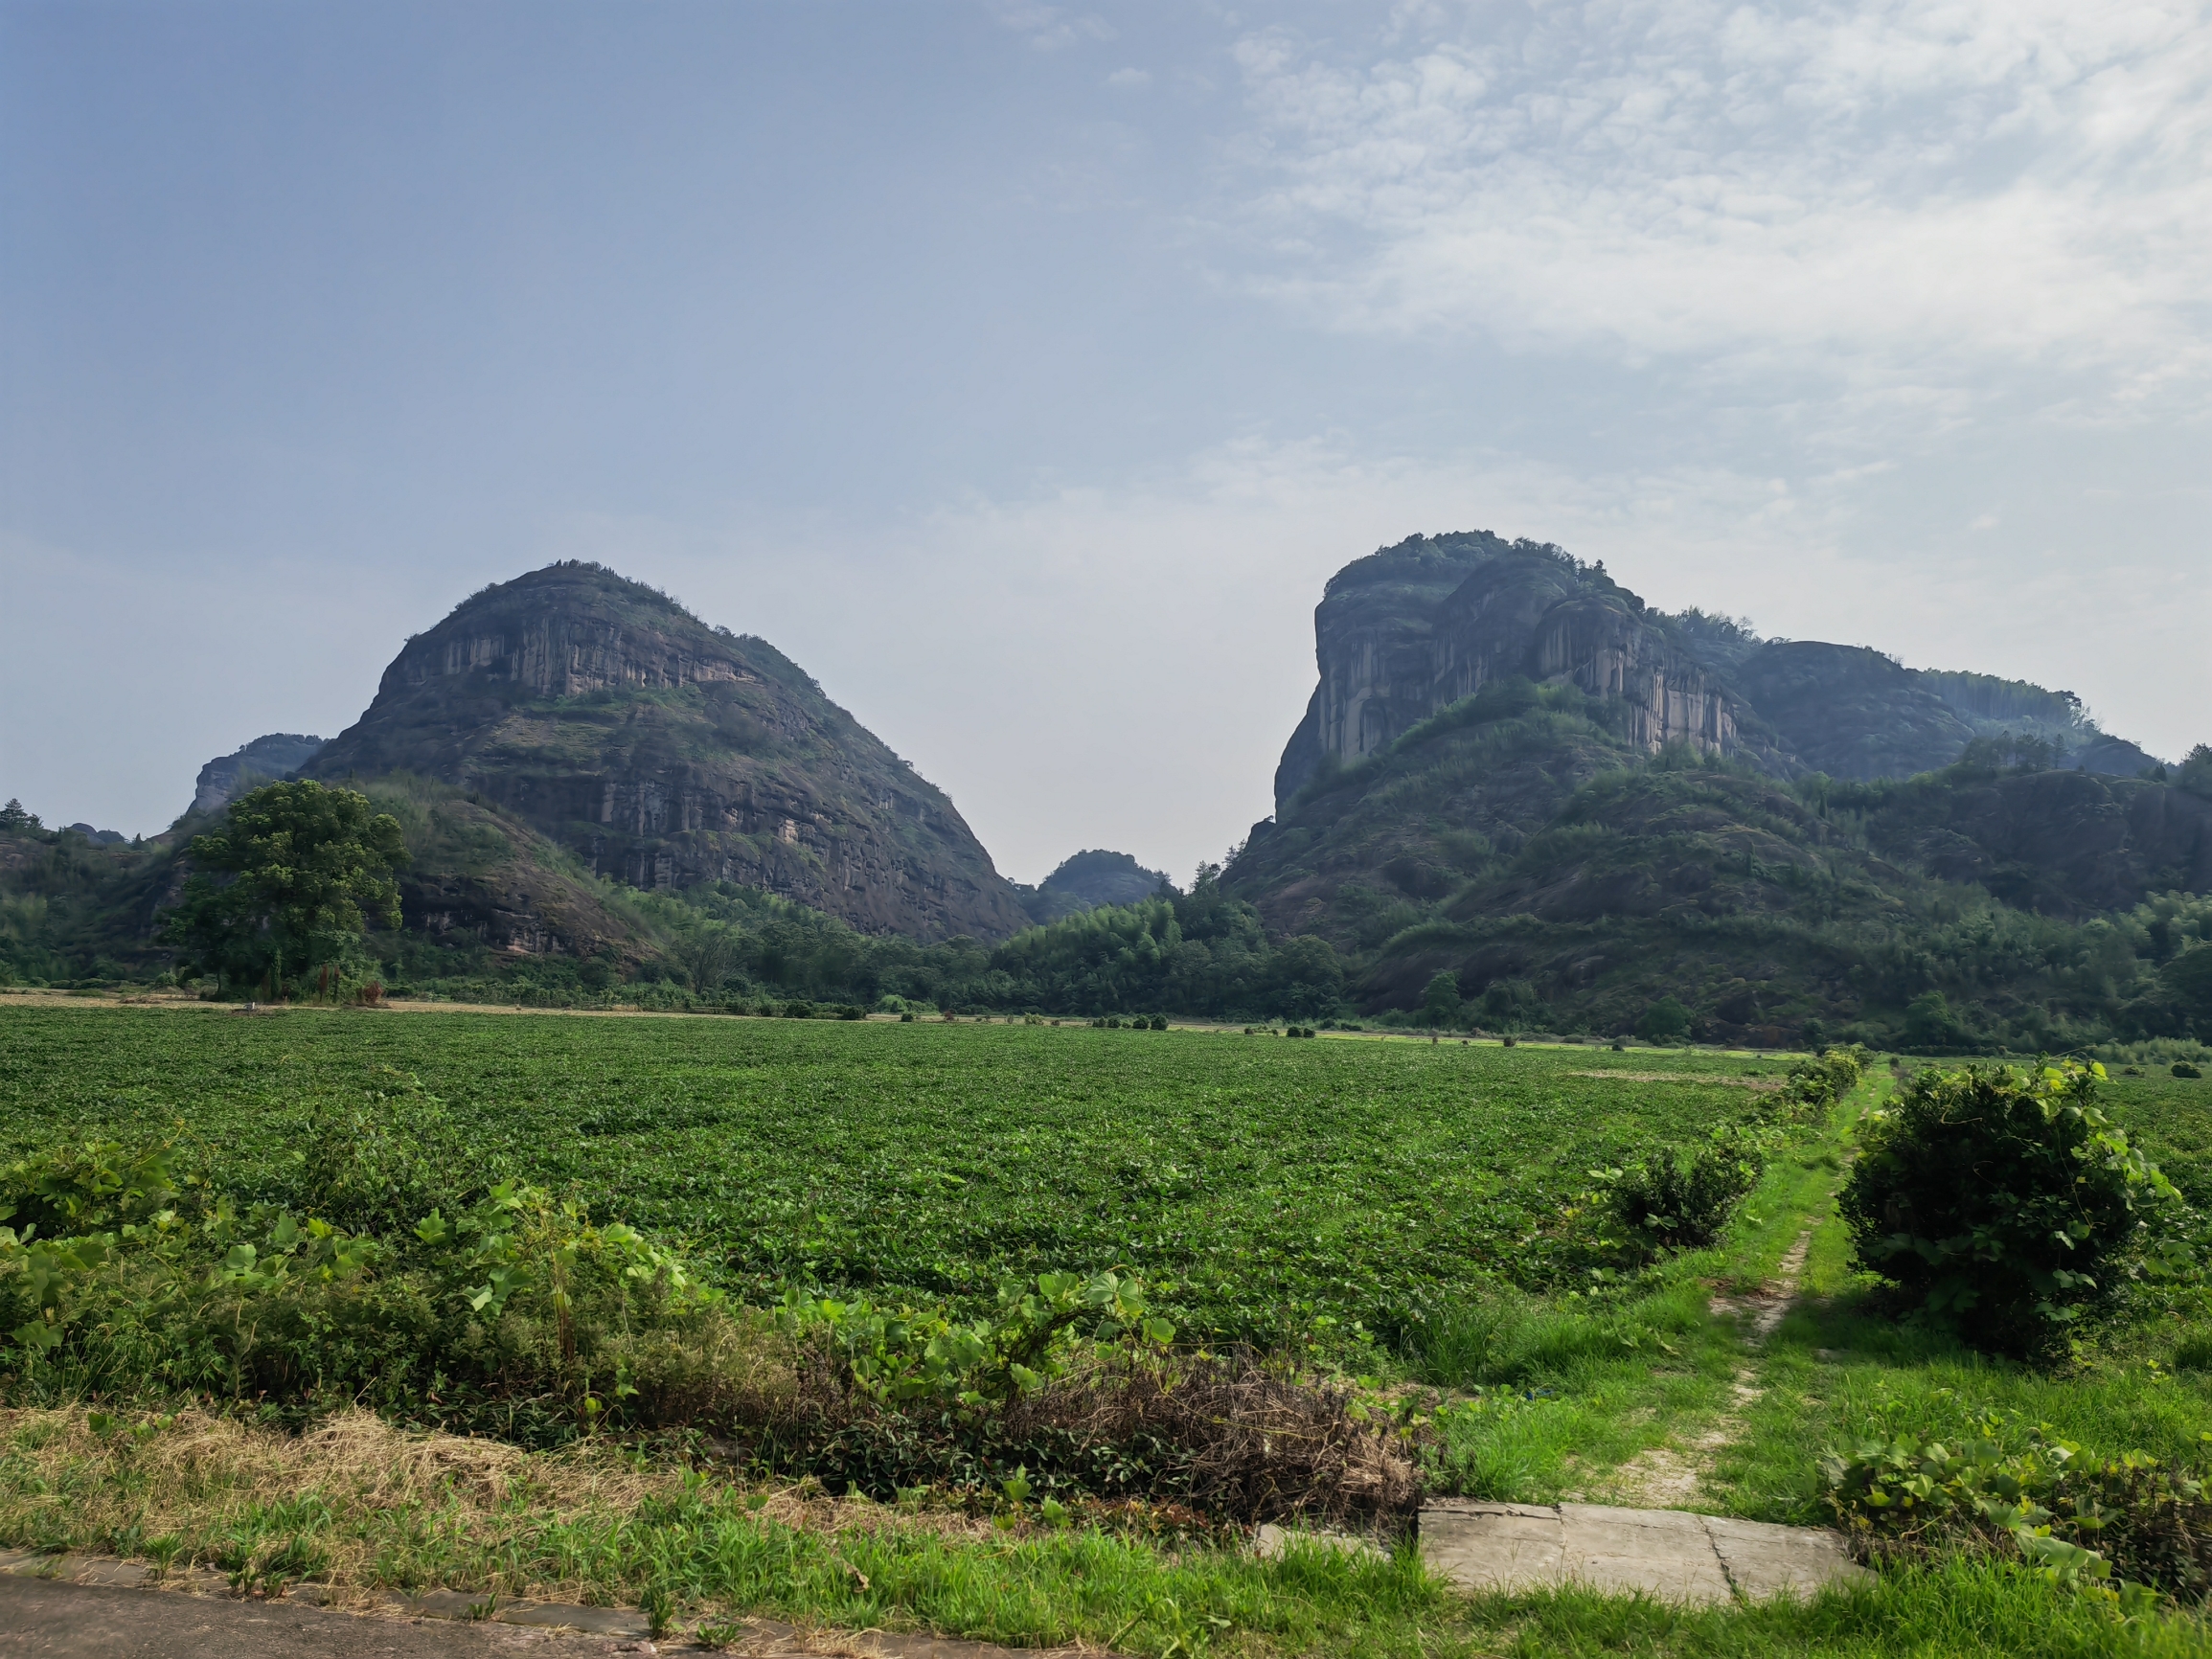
[(1023, 371)]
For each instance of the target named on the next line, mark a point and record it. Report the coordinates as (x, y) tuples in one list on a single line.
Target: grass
[(1576, 1388), (360, 1505)]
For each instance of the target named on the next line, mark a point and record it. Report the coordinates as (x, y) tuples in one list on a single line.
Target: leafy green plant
[(2005, 1200), (2025, 1490), (905, 1356), (1672, 1203), (2183, 1069)]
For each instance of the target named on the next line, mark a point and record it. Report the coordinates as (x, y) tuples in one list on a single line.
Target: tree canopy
[(291, 876)]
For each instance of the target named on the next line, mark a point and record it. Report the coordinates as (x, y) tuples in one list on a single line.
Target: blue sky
[(1023, 369)]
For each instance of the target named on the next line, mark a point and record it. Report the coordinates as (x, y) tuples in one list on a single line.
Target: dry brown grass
[(194, 1477)]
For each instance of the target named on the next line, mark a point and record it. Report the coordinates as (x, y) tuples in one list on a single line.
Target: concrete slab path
[(1669, 1553)]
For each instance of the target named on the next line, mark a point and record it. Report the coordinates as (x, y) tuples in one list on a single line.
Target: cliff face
[(1412, 630), (665, 753), (263, 760)]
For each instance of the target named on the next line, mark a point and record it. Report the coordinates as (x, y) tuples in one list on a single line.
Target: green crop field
[(1262, 1185)]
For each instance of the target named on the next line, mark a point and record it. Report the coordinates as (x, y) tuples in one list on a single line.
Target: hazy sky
[(1022, 371)]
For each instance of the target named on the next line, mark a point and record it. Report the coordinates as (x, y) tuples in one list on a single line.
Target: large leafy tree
[(290, 878)]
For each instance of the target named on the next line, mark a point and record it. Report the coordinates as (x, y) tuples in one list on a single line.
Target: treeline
[(1199, 952)]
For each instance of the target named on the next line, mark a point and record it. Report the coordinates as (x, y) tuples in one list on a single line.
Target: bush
[(512, 1310), (2183, 1069), (1903, 1494), (2003, 1200), (1814, 1085), (1678, 1205)]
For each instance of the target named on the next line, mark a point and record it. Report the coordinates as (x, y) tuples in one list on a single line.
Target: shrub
[(513, 1309), (1899, 1493), (798, 1011), (2183, 1069), (1814, 1085), (2003, 1200), (1679, 1205)]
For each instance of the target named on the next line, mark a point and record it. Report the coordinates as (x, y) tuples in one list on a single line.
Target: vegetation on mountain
[(1572, 881), (1089, 879)]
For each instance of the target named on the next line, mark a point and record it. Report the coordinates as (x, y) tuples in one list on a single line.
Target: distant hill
[(263, 760), (1514, 770), (1087, 880), (664, 753)]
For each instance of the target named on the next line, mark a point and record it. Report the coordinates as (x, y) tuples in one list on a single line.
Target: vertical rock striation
[(666, 752), (1412, 630)]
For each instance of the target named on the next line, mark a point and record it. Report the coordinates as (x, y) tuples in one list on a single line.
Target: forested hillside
[(1520, 800)]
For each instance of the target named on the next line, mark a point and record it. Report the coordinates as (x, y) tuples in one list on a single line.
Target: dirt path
[(1669, 1476), (58, 1619)]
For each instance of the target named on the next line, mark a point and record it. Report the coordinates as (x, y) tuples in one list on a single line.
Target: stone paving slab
[(1762, 1559), (1669, 1553), (1663, 1553)]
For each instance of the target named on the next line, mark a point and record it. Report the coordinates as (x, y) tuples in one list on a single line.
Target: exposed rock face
[(1411, 629), (1406, 632), (666, 752), (263, 760)]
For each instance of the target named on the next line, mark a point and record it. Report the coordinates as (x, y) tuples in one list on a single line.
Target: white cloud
[(1969, 194), (1119, 665), (1051, 28), (1129, 79)]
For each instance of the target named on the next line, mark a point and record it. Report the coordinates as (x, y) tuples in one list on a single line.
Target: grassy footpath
[(1567, 1391)]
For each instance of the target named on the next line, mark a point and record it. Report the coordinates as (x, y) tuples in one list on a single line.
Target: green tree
[(290, 879), (1440, 999), (2195, 774), (707, 952), (1929, 1022), (1665, 1021)]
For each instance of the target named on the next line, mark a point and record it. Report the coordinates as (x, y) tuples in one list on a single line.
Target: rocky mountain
[(664, 753), (1514, 770), (1411, 629), (263, 760), (1087, 880)]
